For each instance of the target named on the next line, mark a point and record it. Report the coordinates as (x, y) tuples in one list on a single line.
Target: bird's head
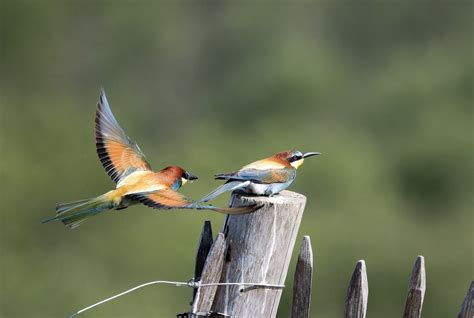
[(295, 157), (178, 176)]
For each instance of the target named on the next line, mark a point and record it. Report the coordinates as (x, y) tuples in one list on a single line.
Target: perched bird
[(135, 181), (266, 177)]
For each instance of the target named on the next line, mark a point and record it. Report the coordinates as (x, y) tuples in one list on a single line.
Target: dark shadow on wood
[(205, 243)]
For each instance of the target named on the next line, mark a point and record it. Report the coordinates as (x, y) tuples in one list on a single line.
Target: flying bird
[(135, 180), (266, 177)]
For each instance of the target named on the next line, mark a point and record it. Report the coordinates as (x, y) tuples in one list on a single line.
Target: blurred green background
[(382, 88)]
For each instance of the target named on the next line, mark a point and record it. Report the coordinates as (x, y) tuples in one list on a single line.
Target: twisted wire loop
[(190, 283), (193, 283)]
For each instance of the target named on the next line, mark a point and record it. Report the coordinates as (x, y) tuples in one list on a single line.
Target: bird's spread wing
[(260, 176), (119, 155)]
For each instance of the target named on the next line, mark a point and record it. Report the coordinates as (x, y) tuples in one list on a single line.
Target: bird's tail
[(229, 186), (75, 213), (239, 210)]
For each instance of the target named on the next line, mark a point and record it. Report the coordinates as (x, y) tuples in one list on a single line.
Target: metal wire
[(191, 283)]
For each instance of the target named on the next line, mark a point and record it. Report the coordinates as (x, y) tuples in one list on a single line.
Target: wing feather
[(260, 176), (163, 199), (118, 154), (265, 164)]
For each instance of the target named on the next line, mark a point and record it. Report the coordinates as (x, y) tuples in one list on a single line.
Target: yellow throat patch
[(296, 164)]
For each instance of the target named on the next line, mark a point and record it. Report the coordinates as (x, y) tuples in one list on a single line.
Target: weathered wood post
[(357, 293), (416, 289), (259, 248), (211, 273), (467, 308), (303, 281)]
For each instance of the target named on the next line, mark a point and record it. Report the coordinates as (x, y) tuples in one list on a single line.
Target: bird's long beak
[(191, 176), (310, 154)]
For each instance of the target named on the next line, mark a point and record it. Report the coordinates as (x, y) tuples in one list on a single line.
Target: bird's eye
[(297, 157)]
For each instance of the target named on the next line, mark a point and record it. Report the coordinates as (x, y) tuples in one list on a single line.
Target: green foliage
[(382, 89)]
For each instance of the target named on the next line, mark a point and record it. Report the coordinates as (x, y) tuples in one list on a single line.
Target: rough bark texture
[(467, 308), (303, 281), (260, 245), (416, 289), (357, 293)]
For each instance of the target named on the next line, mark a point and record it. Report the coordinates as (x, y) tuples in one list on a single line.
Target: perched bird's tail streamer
[(238, 210), (229, 186), (75, 213)]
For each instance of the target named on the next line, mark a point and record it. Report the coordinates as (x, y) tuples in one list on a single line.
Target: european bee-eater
[(266, 177), (135, 181)]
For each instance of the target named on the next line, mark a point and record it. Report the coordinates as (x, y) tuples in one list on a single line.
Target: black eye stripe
[(295, 158)]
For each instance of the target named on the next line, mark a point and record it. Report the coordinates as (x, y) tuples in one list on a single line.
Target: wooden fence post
[(303, 281), (416, 290), (467, 308), (357, 293), (210, 274), (260, 245)]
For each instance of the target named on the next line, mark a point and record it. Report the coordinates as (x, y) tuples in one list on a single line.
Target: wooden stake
[(357, 293), (303, 281), (260, 245), (467, 308), (416, 289), (210, 274)]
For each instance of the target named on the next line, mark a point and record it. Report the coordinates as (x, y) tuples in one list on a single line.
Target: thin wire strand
[(179, 284), (191, 283)]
